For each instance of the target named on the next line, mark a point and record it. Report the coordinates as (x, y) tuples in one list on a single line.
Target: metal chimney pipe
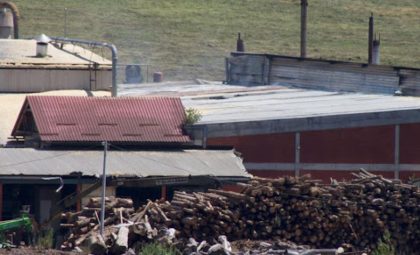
[(303, 23), (15, 13), (240, 47), (370, 39), (114, 52)]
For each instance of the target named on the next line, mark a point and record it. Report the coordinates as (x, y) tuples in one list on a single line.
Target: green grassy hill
[(189, 38)]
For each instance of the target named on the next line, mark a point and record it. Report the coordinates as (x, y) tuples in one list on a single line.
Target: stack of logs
[(84, 226), (354, 215)]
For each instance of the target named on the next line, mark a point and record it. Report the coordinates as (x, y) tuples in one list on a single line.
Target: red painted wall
[(369, 145), (260, 148), (352, 145), (410, 144), (271, 173)]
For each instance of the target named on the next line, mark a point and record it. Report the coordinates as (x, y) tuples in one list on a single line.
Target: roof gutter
[(113, 49)]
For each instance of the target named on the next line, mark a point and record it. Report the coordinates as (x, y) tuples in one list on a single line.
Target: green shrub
[(46, 239), (158, 249), (193, 116)]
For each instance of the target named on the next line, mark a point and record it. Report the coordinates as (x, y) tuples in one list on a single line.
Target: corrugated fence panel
[(246, 70), (410, 81), (333, 76)]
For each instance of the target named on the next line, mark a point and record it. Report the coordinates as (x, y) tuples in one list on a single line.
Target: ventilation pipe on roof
[(5, 24), (240, 47), (114, 52), (42, 45)]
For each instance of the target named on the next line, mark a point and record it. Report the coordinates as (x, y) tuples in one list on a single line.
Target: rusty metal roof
[(94, 119)]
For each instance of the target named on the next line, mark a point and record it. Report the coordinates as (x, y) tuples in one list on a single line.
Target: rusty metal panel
[(93, 119)]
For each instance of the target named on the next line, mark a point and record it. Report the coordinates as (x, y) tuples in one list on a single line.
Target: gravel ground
[(34, 251)]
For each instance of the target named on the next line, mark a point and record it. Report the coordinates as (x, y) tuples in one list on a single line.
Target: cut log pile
[(84, 226), (353, 215)]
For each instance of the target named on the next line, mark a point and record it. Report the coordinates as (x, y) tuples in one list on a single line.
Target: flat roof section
[(241, 110), (22, 54)]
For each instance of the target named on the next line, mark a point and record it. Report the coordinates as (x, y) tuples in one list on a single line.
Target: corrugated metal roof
[(92, 119), (22, 53), (32, 162), (226, 103), (11, 104)]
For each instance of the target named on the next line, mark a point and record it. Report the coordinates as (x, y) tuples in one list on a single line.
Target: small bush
[(158, 249), (46, 239), (193, 116)]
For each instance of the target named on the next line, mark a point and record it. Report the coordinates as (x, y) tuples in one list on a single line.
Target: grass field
[(190, 38)]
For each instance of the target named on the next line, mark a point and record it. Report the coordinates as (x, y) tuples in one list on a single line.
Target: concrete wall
[(39, 80), (392, 151)]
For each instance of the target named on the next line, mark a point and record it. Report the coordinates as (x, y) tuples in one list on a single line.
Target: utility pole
[(303, 22), (105, 144), (65, 22)]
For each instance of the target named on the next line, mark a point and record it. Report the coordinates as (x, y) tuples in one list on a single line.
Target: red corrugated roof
[(91, 119)]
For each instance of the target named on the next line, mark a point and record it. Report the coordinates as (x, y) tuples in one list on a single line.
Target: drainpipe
[(15, 13), (113, 49)]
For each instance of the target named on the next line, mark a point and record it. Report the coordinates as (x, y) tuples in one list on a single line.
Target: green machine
[(23, 224)]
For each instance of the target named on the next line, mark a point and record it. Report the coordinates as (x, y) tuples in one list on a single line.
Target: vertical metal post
[(297, 154), (370, 39), (397, 152), (114, 89), (79, 201), (303, 30), (163, 192), (105, 144), (65, 22), (1, 201)]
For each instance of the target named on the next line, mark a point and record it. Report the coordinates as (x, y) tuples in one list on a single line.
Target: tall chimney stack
[(303, 22), (370, 39)]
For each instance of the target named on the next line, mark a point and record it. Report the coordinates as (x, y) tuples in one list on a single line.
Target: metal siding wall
[(333, 76), (326, 176), (373, 146), (261, 148), (247, 70), (38, 80), (410, 82), (354, 145), (271, 173), (410, 144), (407, 175)]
